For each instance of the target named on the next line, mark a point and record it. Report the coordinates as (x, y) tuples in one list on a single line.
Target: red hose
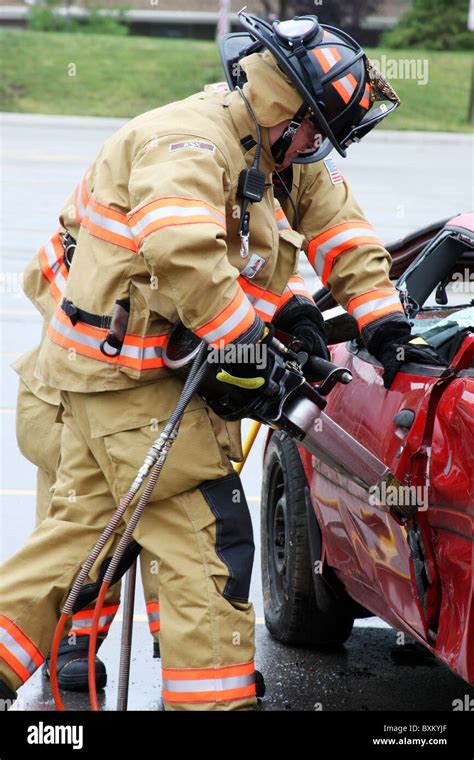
[(53, 661), (92, 646)]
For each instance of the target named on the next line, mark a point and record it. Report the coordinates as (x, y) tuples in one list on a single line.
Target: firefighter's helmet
[(342, 92)]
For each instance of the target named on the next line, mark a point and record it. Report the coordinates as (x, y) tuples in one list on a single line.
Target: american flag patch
[(334, 173)]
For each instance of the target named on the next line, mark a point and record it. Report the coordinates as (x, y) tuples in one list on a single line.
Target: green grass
[(123, 76)]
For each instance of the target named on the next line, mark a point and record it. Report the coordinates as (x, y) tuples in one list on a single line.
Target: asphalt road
[(402, 181)]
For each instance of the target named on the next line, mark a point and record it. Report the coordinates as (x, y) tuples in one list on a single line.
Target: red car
[(329, 553)]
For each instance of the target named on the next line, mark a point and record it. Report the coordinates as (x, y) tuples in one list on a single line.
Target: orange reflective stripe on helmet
[(345, 87), (82, 621), (138, 352), (153, 613), (327, 57), (17, 650), (325, 248), (230, 323), (365, 100), (51, 261), (225, 684), (170, 212), (373, 305)]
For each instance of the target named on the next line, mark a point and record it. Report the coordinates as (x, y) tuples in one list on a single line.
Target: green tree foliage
[(43, 17), (433, 25)]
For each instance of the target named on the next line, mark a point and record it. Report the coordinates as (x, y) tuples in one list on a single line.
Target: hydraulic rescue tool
[(287, 402)]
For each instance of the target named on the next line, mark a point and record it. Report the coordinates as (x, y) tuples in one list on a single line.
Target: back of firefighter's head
[(304, 73)]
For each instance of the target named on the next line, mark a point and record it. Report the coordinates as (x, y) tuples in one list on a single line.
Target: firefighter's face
[(305, 140)]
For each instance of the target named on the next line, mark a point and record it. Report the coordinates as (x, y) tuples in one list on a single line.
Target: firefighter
[(159, 241)]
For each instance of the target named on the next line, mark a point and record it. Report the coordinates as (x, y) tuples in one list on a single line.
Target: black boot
[(260, 687), (72, 665), (7, 697)]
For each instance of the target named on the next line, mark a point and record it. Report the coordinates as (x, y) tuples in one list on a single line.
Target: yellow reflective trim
[(418, 341)]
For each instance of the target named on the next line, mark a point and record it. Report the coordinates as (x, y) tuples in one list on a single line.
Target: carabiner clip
[(244, 234)]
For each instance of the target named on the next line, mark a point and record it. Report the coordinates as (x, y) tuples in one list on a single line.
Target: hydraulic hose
[(153, 457), (169, 435)]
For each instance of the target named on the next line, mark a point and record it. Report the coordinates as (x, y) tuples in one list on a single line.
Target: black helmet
[(336, 80)]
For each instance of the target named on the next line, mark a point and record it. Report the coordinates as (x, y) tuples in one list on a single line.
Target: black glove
[(302, 319), (393, 345), (246, 362)]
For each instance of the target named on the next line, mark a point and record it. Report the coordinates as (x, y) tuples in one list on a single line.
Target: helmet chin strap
[(280, 146)]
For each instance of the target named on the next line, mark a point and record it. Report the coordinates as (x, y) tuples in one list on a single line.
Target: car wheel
[(292, 614)]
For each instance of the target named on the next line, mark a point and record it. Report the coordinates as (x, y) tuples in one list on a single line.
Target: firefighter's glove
[(394, 345), (302, 319), (245, 363)]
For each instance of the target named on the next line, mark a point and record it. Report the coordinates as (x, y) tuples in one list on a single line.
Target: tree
[(348, 13), (434, 25)]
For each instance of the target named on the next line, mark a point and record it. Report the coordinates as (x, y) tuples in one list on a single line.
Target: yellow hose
[(248, 443)]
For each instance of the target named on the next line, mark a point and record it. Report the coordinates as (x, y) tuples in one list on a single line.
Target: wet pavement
[(371, 672)]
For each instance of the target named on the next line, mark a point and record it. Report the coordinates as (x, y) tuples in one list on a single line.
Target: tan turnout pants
[(39, 440), (197, 523)]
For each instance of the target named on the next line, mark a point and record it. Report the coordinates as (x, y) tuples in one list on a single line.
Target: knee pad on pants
[(234, 534)]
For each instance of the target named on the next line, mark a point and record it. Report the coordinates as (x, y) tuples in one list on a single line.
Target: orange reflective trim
[(377, 313), (81, 197), (49, 274), (233, 320), (107, 212), (109, 610), (228, 695), (352, 243), (347, 91), (365, 100), (370, 306), (257, 292), (281, 220), (22, 639), (155, 626), (331, 231), (243, 325), (166, 201), (115, 238), (14, 664), (152, 607), (225, 671), (170, 212), (87, 631), (80, 327), (171, 221), (70, 337), (226, 312), (321, 254), (327, 57)]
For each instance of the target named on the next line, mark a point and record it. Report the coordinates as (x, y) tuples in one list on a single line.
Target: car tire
[(292, 614)]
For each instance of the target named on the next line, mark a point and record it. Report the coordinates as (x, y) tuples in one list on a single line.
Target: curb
[(101, 122)]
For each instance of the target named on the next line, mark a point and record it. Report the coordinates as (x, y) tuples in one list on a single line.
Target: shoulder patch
[(333, 171), (192, 145)]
